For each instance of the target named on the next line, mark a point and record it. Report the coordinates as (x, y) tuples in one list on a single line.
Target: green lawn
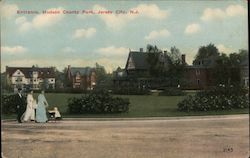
[(141, 106)]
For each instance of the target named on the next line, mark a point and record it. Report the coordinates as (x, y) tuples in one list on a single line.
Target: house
[(81, 77), (137, 70), (199, 75), (33, 78)]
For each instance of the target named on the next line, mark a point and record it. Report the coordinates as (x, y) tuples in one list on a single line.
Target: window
[(198, 81)]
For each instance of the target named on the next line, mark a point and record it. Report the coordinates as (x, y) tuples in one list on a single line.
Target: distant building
[(81, 77), (33, 78)]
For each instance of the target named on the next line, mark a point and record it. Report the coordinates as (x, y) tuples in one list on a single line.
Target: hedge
[(219, 98), (97, 102), (9, 104)]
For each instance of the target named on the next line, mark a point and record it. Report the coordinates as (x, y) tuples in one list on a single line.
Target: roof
[(84, 71), (139, 59), (27, 71)]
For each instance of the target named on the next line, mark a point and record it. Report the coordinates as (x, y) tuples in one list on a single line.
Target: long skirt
[(29, 114), (41, 113)]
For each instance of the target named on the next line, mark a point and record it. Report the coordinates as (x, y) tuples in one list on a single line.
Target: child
[(56, 113)]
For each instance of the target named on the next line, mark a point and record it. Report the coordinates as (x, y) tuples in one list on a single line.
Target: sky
[(83, 39)]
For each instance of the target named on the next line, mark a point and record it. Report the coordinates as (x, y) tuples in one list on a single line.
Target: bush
[(220, 98), (172, 91), (130, 91), (97, 102), (9, 104)]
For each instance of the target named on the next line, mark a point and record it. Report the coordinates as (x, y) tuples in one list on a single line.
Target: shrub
[(130, 91), (8, 104), (97, 102), (219, 98), (172, 91)]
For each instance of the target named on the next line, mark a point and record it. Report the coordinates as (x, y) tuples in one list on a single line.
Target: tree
[(206, 52), (175, 66), (103, 79), (227, 68), (153, 49)]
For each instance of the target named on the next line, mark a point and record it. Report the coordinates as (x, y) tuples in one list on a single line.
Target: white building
[(33, 78)]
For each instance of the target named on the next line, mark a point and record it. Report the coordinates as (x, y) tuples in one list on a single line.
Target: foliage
[(219, 98), (227, 68), (97, 102), (207, 51), (172, 91), (103, 79), (176, 67), (9, 104)]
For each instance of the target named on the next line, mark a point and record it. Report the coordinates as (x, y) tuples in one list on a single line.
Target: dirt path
[(187, 137)]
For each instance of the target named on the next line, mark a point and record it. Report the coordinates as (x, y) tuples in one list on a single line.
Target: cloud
[(13, 50), (44, 20), (224, 49), (216, 14), (113, 51), (192, 29), (8, 10), (117, 21), (236, 10), (151, 11), (157, 34), (39, 21), (84, 33)]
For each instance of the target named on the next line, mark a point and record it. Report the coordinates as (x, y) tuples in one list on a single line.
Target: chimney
[(183, 58), (141, 49)]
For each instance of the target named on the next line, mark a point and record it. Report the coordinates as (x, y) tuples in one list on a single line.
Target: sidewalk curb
[(145, 118)]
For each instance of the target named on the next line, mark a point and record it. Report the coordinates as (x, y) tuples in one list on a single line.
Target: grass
[(141, 106)]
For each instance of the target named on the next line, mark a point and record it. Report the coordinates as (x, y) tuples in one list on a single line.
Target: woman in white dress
[(30, 109)]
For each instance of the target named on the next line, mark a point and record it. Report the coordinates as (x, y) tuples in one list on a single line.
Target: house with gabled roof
[(137, 69), (82, 77), (33, 78)]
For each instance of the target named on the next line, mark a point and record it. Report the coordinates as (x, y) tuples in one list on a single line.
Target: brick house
[(199, 75), (33, 78), (81, 77)]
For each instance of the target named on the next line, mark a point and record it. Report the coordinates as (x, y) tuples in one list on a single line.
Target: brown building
[(197, 77), (82, 77)]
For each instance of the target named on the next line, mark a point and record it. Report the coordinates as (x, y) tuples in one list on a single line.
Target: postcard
[(124, 79)]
